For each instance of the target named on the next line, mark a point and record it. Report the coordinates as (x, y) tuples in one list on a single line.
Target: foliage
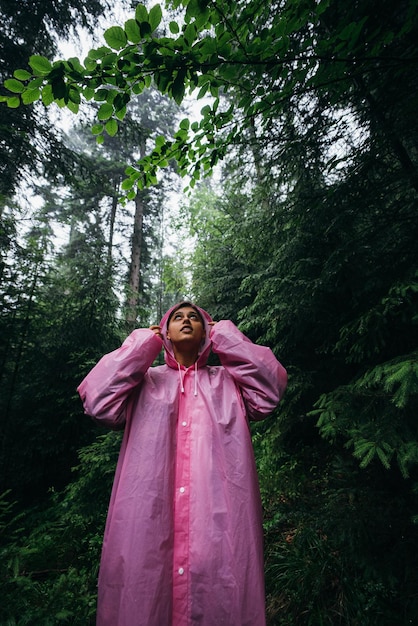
[(29, 137), (55, 321), (49, 567), (60, 308), (265, 55), (319, 215), (216, 266), (337, 546)]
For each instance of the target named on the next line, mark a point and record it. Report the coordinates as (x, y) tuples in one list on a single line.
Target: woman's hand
[(157, 330)]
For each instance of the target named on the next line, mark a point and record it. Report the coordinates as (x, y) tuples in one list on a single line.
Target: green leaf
[(138, 87), (178, 87), (13, 102), (120, 113), (98, 53), (22, 74), (132, 31), (127, 183), (141, 13), (190, 33), (145, 28), (40, 65), (115, 37), (155, 17), (97, 129), (384, 458), (73, 106), (88, 93), (101, 95), (111, 127), (74, 94), (111, 95), (160, 141), (162, 80), (202, 18), (74, 64), (35, 83), (30, 96), (13, 85), (185, 124), (194, 9), (47, 95), (90, 64), (174, 28), (203, 90), (109, 60), (207, 46), (59, 89), (120, 101), (105, 111)]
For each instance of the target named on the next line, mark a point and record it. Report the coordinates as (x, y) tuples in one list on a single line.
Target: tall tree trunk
[(135, 268), (113, 209), (134, 281)]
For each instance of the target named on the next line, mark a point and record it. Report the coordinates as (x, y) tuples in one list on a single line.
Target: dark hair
[(182, 305)]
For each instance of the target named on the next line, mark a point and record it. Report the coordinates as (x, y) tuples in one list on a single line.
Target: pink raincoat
[(183, 542)]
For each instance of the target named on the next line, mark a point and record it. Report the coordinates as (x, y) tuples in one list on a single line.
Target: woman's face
[(185, 327)]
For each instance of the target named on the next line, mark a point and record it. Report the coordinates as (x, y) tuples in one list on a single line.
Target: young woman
[(183, 542)]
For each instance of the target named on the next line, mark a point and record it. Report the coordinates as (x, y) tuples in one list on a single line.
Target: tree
[(60, 306), (56, 318), (311, 263), (321, 213), (27, 134)]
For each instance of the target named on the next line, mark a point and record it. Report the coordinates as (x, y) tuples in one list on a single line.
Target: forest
[(261, 159)]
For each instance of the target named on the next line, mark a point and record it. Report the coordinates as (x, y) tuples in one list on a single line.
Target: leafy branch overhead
[(220, 48)]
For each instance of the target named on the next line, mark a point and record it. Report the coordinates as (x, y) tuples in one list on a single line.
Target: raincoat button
[(181, 571), (182, 490), (184, 423)]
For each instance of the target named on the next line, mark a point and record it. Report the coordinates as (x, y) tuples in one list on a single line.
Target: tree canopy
[(265, 55)]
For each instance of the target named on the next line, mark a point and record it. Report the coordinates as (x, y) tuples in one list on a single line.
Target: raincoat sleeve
[(106, 388), (258, 374)]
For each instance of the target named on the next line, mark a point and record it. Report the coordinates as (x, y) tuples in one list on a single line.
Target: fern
[(375, 414), (398, 379)]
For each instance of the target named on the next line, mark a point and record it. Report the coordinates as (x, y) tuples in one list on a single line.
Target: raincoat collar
[(206, 344)]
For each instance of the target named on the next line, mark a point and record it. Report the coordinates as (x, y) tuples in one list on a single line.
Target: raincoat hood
[(206, 344)]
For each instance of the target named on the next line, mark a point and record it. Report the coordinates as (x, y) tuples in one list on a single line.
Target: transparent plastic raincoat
[(183, 542)]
